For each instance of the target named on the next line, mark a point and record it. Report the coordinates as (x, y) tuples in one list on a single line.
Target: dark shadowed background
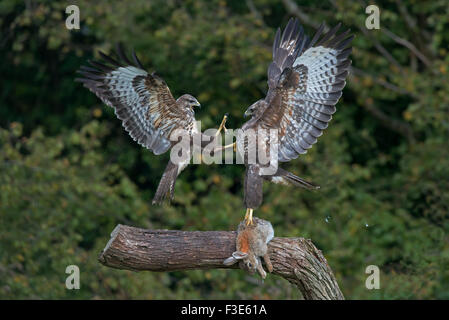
[(69, 172)]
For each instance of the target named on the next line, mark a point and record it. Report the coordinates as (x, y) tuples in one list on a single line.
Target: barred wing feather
[(142, 101)]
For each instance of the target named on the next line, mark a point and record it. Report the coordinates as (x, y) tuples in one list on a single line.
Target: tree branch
[(411, 22), (398, 126), (252, 7), (293, 9), (408, 45), (383, 83), (295, 259), (384, 52)]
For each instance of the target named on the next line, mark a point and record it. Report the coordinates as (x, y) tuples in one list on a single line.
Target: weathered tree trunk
[(295, 259)]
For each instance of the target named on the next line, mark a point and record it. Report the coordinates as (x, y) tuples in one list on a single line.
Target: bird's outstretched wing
[(301, 100), (141, 100)]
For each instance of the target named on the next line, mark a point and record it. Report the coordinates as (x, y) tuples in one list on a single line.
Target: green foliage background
[(69, 172)]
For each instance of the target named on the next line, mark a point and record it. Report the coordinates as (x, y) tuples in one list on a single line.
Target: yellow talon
[(249, 216), (222, 125), (226, 147), (229, 146)]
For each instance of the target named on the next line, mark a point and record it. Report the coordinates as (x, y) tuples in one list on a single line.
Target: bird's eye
[(250, 265)]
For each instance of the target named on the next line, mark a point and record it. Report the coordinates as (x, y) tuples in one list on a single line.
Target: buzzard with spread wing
[(305, 82), (146, 107)]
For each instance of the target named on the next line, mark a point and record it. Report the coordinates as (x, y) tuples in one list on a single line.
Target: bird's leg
[(222, 125), (249, 216)]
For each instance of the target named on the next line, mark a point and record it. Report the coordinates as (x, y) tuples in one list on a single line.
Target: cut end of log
[(101, 257)]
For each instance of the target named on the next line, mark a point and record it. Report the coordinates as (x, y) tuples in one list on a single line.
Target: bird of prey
[(146, 107), (305, 81)]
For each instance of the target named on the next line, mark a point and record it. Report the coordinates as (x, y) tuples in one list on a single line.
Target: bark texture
[(295, 259)]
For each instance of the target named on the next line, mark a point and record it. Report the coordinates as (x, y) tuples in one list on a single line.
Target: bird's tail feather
[(167, 184), (285, 177)]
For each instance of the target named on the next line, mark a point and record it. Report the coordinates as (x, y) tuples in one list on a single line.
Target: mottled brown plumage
[(146, 107), (305, 81)]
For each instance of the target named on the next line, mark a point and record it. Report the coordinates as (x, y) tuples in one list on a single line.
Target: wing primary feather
[(344, 53), (100, 66), (294, 30), (121, 53), (89, 69), (303, 45), (344, 65), (82, 80), (299, 42), (338, 38), (110, 59), (329, 34), (288, 31), (90, 75), (344, 43), (277, 41), (294, 34), (317, 35), (137, 61)]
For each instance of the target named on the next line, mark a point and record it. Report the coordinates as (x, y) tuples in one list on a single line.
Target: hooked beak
[(198, 104), (246, 114)]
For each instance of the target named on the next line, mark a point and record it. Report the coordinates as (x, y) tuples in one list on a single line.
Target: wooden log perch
[(295, 259)]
